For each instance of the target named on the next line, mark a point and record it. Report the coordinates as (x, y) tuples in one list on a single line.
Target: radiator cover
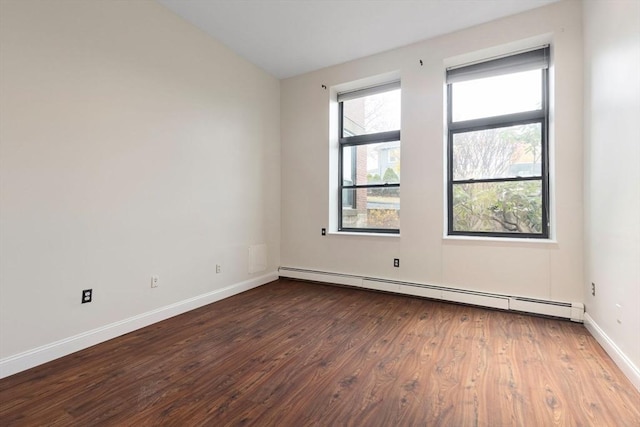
[(568, 310)]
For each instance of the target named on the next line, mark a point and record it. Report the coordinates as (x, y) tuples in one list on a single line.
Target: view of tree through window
[(509, 152), (498, 180), (370, 160)]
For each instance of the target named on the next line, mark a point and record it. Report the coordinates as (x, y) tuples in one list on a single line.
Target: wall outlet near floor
[(155, 281), (87, 295), (593, 289), (396, 262), (218, 269)]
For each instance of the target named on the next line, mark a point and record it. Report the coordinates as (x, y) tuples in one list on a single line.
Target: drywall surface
[(612, 193), (132, 145), (549, 270)]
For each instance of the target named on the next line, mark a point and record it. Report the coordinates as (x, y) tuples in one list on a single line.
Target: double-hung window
[(369, 159), (498, 167)]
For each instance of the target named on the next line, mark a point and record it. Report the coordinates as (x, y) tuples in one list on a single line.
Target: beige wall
[(550, 270), (612, 134), (132, 144)]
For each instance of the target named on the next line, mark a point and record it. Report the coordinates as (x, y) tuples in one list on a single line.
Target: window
[(369, 159), (498, 177)]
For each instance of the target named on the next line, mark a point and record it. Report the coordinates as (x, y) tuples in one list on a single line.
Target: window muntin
[(497, 147), (369, 159)]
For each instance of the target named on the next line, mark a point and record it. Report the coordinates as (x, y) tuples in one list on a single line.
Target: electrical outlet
[(619, 313), (593, 289), (396, 262), (87, 294), (155, 281), (324, 231), (218, 269)]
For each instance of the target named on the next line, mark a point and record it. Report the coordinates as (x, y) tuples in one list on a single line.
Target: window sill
[(514, 240), (351, 233)]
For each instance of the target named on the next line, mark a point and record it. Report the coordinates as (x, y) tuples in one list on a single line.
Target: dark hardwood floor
[(302, 354)]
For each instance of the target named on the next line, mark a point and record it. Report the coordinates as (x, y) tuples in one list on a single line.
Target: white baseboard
[(624, 363), (46, 353)]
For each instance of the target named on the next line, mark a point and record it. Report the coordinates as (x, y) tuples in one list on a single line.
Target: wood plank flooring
[(302, 354)]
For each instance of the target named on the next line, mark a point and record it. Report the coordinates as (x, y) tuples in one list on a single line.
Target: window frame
[(359, 140), (503, 121)]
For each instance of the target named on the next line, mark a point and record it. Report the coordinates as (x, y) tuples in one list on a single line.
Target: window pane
[(506, 152), (495, 96), (371, 164), (371, 114), (499, 207), (371, 208)]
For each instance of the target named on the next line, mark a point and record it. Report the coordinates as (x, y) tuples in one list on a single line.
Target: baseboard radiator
[(567, 310)]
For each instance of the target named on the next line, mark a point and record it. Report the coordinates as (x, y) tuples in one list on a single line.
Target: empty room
[(319, 213)]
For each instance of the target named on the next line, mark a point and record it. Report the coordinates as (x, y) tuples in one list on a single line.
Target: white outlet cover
[(619, 313)]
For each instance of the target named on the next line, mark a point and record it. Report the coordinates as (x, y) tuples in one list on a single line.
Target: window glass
[(371, 208), (376, 163), (372, 114), (505, 152), (369, 155), (498, 179), (495, 96), (511, 206)]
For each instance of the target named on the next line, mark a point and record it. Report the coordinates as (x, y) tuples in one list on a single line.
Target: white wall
[(612, 135), (132, 144), (551, 270)]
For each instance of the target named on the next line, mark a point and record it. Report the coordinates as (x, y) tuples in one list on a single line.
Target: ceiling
[(291, 37)]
